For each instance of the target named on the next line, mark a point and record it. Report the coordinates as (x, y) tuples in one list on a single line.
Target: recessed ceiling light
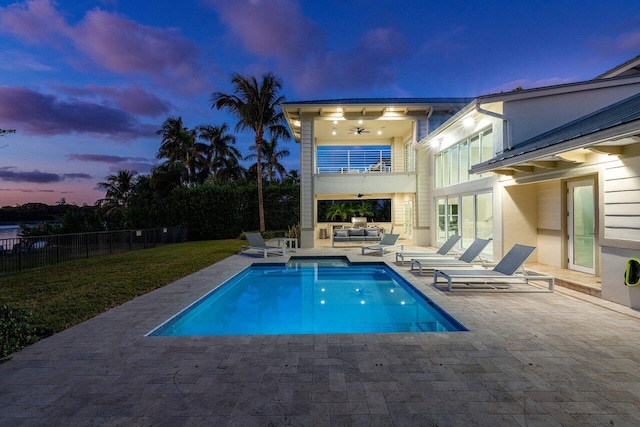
[(333, 132), (335, 122), (379, 132), (359, 122)]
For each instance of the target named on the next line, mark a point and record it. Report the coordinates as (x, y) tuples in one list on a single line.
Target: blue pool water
[(311, 296)]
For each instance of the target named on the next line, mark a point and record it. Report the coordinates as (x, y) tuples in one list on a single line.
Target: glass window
[(455, 165), (446, 167), (487, 145), (464, 162), (452, 226), (441, 233), (452, 165), (474, 150), (484, 218), (468, 221)]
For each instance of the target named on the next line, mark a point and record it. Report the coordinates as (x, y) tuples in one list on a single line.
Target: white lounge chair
[(256, 242), (466, 259), (500, 278), (443, 251), (388, 241)]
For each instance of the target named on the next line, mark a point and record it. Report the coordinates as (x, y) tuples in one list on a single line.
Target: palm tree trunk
[(259, 171)]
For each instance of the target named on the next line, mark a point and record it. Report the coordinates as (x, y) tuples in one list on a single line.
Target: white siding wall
[(550, 223), (622, 199), (423, 207), (307, 200), (531, 117)]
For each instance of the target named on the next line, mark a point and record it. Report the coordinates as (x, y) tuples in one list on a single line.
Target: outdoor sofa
[(356, 235)]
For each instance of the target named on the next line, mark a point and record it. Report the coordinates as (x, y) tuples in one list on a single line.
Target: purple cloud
[(138, 164), (111, 41), (104, 158), (75, 176), (625, 43), (270, 28), (132, 99), (39, 114), (278, 28), (35, 22)]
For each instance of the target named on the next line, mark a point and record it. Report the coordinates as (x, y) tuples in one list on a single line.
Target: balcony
[(354, 159)]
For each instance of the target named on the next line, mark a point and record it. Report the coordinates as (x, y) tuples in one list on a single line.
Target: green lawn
[(63, 295)]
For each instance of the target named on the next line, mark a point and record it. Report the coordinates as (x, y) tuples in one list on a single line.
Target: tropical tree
[(271, 155), (340, 210), (257, 108), (179, 145), (293, 176), (222, 156), (363, 209), (119, 189)]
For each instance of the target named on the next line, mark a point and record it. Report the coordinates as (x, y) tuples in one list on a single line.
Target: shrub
[(15, 330)]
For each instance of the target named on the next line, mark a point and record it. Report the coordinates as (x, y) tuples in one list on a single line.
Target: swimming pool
[(311, 296)]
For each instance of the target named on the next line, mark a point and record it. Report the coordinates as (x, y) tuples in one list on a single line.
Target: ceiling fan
[(358, 130)]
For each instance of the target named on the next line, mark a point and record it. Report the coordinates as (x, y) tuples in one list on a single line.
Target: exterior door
[(581, 225)]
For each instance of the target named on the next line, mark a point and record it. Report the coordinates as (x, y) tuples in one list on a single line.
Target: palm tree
[(179, 145), (119, 189), (257, 108), (222, 153), (341, 210), (271, 166), (364, 209)]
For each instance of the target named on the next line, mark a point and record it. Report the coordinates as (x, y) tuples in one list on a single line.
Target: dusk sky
[(86, 84)]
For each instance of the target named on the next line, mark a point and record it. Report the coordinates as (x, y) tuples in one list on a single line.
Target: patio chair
[(388, 241), (466, 259), (256, 242), (499, 278), (443, 251)]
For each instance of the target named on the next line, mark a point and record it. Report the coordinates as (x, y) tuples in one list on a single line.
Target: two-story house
[(361, 151)]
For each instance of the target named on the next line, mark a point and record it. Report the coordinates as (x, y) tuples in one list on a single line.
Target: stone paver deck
[(528, 360)]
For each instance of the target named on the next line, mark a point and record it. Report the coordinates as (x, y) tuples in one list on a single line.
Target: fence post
[(87, 240)]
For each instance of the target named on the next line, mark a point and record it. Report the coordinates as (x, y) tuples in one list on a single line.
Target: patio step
[(572, 284)]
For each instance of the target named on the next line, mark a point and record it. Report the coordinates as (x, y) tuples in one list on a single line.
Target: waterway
[(9, 231)]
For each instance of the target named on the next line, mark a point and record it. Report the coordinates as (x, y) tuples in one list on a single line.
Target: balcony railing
[(353, 161)]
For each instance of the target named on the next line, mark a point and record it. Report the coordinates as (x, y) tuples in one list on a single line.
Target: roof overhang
[(609, 141), (367, 109)]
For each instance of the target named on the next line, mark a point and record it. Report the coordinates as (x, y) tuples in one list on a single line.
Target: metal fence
[(24, 253)]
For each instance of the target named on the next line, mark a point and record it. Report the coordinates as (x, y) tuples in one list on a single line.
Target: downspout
[(506, 125)]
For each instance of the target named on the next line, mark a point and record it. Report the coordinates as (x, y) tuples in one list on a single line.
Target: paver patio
[(528, 360)]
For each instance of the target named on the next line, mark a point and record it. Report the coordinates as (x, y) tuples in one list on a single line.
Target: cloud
[(35, 22), (8, 173), (111, 41), (625, 43), (39, 114), (118, 163), (104, 158), (132, 99), (269, 27), (15, 60), (75, 176), (278, 29)]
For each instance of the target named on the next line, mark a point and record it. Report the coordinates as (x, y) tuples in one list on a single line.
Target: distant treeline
[(221, 211), (35, 212)]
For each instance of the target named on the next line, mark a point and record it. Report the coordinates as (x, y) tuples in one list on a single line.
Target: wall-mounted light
[(468, 122)]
